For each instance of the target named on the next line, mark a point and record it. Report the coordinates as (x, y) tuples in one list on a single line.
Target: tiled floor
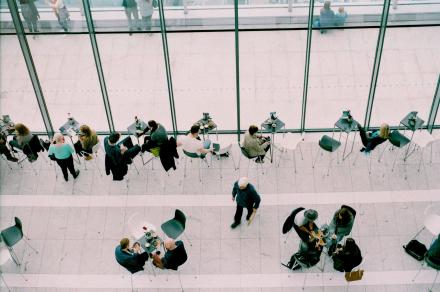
[(75, 226)]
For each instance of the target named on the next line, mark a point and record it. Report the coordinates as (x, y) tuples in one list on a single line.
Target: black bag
[(416, 249)]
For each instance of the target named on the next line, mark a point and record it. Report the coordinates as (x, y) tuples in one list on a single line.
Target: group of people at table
[(120, 153)]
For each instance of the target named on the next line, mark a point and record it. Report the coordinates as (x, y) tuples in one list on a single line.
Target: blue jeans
[(206, 144)]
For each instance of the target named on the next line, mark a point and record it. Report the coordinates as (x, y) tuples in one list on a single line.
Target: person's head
[(114, 137), (195, 129), (153, 125), (253, 129), (343, 215), (125, 242), (85, 130), (21, 129), (58, 138), (310, 215), (341, 9), (384, 131), (169, 244), (350, 244), (327, 5), (243, 183)]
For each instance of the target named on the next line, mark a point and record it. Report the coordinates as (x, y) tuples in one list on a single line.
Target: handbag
[(354, 276), (416, 249)]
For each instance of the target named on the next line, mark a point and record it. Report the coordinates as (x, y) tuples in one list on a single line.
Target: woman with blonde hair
[(63, 155), (21, 138), (371, 140)]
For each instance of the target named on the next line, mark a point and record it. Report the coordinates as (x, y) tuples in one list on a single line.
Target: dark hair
[(350, 246), (346, 216), (253, 129), (114, 137), (195, 129), (153, 125), (124, 243)]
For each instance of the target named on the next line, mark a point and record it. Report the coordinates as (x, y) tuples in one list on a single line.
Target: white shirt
[(191, 144)]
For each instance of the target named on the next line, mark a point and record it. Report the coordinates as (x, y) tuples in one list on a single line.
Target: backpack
[(416, 249)]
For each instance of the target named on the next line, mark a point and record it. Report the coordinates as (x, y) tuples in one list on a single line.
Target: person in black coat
[(174, 257), (347, 257), (433, 254), (131, 259), (118, 155), (247, 197)]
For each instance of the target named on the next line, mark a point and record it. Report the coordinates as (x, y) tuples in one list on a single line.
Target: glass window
[(203, 69), (17, 97), (271, 76), (408, 74), (135, 77), (68, 76)]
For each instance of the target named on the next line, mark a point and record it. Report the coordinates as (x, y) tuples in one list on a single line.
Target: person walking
[(247, 197)]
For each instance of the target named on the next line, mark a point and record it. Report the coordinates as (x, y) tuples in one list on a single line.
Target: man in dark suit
[(246, 197), (131, 259), (174, 257)]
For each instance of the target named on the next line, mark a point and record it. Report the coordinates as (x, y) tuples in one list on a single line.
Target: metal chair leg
[(28, 244), (131, 281), (433, 283), (186, 237), (3, 279), (294, 160), (180, 280), (316, 159)]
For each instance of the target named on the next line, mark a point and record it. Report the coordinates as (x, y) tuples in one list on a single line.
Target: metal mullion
[(377, 59), (434, 107), (307, 65), (167, 67), (237, 67), (98, 64), (30, 66)]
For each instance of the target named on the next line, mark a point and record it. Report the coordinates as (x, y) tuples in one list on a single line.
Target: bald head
[(169, 244), (243, 182)]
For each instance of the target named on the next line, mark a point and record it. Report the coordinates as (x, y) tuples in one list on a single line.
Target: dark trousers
[(4, 150), (364, 137), (239, 213), (67, 164), (132, 150)]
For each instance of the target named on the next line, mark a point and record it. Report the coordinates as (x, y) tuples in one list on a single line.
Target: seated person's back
[(174, 257), (112, 149), (130, 259), (434, 252), (255, 145), (190, 143), (347, 257)]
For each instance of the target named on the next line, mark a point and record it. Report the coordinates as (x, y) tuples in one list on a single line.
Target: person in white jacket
[(146, 10)]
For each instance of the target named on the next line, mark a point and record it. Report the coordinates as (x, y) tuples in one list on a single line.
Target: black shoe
[(259, 160), (66, 179), (76, 174), (362, 149), (32, 158), (225, 154), (11, 158), (235, 224)]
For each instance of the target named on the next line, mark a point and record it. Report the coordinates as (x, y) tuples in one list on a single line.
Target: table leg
[(142, 154), (407, 154), (272, 146), (345, 145)]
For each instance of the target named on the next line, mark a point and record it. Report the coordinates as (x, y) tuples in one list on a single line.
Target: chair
[(399, 141), (192, 156), (2, 156), (13, 235), (330, 145), (428, 262), (173, 228), (305, 265), (290, 142), (431, 221), (250, 158), (223, 151), (94, 156), (422, 140), (379, 149), (33, 147)]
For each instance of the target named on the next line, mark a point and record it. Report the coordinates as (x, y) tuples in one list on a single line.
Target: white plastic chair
[(290, 142), (223, 151), (431, 221), (422, 140)]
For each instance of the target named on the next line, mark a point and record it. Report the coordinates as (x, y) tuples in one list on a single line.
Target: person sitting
[(340, 226), (372, 140), (326, 17), (87, 139), (158, 136), (191, 143), (255, 145), (310, 248), (22, 137), (347, 257), (130, 258), (63, 155), (174, 257), (5, 150), (119, 155), (340, 17), (433, 255)]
